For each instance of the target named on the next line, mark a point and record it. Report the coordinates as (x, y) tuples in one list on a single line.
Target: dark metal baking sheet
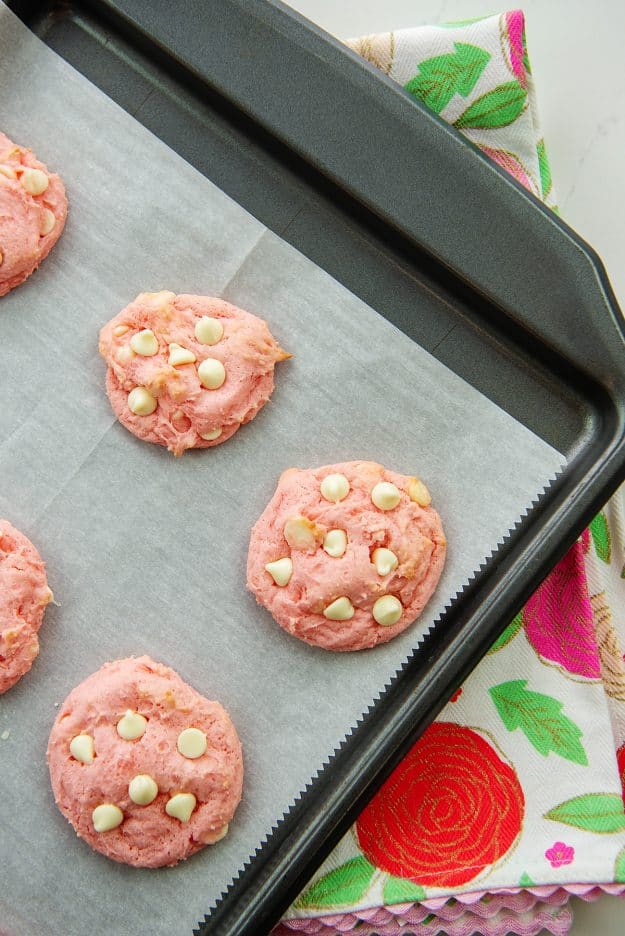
[(406, 214)]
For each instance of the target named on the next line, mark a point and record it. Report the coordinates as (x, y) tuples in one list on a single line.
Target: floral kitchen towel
[(477, 77), (513, 796)]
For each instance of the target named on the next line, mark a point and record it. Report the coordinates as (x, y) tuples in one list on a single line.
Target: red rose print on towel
[(451, 809)]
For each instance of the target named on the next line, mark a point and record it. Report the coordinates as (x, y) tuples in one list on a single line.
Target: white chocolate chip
[(340, 610), (141, 402), (180, 421), (334, 488), (125, 354), (387, 610), (82, 748), (301, 533), (281, 571), (47, 222), (212, 836), (180, 806), (144, 343), (179, 355), (120, 330), (385, 495), (8, 172), (222, 834), (6, 734), (211, 373), (142, 790), (212, 435), (107, 816), (157, 299), (418, 493), (335, 543), (208, 330), (192, 743), (34, 181), (384, 560), (131, 726)]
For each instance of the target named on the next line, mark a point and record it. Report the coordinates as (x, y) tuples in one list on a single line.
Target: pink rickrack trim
[(542, 891), (481, 911), (505, 922), (488, 907)]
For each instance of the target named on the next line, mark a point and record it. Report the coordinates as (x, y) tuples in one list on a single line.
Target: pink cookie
[(346, 556), (146, 769), (187, 371), (33, 209), (24, 594)]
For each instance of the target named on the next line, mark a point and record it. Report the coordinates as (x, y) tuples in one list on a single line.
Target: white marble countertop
[(576, 51)]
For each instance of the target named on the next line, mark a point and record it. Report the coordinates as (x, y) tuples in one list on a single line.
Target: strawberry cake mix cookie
[(346, 556), (187, 371), (24, 594), (33, 209), (146, 769)]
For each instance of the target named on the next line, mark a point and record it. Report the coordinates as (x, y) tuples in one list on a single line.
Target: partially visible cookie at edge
[(146, 769), (24, 594), (187, 371), (33, 210), (346, 556)]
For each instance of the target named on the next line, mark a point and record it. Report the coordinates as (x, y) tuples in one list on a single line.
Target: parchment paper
[(146, 553)]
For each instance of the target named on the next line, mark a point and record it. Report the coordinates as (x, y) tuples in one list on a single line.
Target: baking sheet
[(146, 553)]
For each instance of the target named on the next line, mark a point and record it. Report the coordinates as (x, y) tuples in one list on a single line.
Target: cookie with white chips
[(145, 768), (24, 596), (346, 556), (33, 209), (187, 371)]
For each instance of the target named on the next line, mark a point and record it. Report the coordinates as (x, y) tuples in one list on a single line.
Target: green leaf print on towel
[(345, 885), (593, 812), (398, 890), (509, 634), (619, 867), (441, 77), (545, 168), (540, 718), (600, 532), (496, 108)]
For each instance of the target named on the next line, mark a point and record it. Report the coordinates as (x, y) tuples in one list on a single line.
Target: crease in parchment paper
[(147, 553), (46, 507)]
